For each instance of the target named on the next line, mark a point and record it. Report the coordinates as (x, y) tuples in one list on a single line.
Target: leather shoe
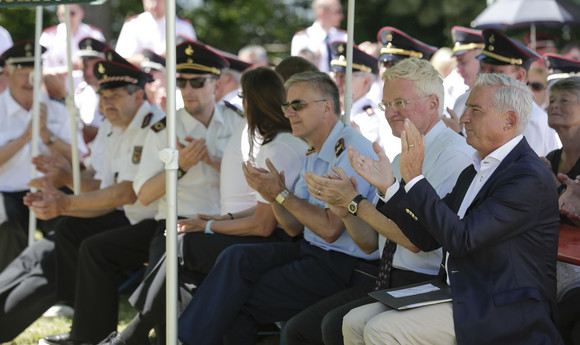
[(60, 339), (113, 339)]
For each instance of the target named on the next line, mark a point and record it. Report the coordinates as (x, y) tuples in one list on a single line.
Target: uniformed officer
[(365, 114), (86, 98), (228, 89), (317, 37), (16, 146), (203, 130), (156, 90), (560, 67), (503, 54), (91, 212), (147, 31), (467, 45)]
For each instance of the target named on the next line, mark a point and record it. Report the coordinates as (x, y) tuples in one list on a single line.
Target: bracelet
[(231, 215), (208, 227)]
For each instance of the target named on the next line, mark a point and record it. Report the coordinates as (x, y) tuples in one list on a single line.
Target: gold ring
[(411, 145)]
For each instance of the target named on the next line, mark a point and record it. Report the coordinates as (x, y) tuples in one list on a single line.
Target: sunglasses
[(298, 105), (536, 86), (196, 83)]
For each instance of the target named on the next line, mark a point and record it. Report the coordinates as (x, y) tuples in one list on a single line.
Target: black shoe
[(60, 339), (113, 339)]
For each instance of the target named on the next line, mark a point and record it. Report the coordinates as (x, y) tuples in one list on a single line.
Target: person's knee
[(291, 331), (352, 324), (331, 327)]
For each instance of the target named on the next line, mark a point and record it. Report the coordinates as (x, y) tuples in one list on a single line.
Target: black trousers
[(27, 288), (321, 323), (70, 233), (569, 317), (103, 260)]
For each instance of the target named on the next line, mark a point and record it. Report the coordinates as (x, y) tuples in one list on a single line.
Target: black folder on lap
[(414, 296)]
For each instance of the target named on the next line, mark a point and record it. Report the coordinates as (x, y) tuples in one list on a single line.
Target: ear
[(433, 102), (521, 74), (511, 121)]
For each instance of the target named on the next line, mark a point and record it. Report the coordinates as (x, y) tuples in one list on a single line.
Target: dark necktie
[(386, 266)]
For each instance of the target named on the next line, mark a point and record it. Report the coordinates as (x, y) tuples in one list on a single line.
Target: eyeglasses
[(196, 83), (399, 105), (537, 86), (298, 105)]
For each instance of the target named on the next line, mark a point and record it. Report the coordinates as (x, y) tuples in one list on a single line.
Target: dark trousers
[(569, 317), (14, 231), (321, 323), (199, 254), (27, 288), (103, 260), (70, 233), (264, 283)]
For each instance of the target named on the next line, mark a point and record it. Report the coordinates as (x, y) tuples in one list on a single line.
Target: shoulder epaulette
[(159, 125), (147, 120), (369, 110), (234, 108), (339, 147), (310, 150)]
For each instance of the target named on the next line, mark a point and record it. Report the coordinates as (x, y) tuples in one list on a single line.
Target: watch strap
[(281, 197)]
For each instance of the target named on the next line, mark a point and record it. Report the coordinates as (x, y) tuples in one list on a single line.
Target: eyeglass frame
[(300, 103), (399, 105), (190, 81)]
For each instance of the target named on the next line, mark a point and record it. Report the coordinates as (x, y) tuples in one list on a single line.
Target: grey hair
[(320, 81), (425, 78), (571, 84), (511, 95)]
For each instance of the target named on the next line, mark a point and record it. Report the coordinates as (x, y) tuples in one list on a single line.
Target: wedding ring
[(411, 145)]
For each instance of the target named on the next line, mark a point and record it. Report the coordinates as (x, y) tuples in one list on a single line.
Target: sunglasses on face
[(536, 86), (196, 83), (298, 105)]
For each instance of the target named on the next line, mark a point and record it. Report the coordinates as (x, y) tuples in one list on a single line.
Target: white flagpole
[(348, 96), (170, 157)]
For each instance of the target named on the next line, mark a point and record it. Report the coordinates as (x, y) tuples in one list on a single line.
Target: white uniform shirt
[(540, 136), (5, 40), (366, 114), (288, 154), (235, 194), (87, 102), (124, 154), (454, 86), (15, 173), (98, 148), (198, 189), (143, 31), (446, 156), (54, 40), (316, 39)]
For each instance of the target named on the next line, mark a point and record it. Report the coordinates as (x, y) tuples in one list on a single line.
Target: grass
[(54, 325)]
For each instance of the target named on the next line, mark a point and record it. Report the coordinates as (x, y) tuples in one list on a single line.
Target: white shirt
[(316, 39), (366, 114), (540, 136), (123, 156), (287, 153), (87, 102), (54, 40), (446, 156), (98, 148), (198, 189), (143, 31), (16, 172), (454, 86)]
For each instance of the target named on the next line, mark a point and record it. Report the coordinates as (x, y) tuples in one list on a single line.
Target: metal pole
[(348, 96), (35, 113), (70, 105), (170, 157)]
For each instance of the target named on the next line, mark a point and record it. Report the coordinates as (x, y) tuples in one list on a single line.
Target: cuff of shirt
[(389, 192), (411, 183)]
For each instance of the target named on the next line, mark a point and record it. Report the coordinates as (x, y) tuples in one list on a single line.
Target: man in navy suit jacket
[(499, 226)]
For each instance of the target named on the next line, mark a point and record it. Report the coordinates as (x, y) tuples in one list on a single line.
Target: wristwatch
[(353, 205), (282, 196)]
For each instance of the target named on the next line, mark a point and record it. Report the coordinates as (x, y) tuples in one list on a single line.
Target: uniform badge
[(310, 150), (411, 214), (339, 147), (147, 120), (159, 125), (137, 150), (369, 110)]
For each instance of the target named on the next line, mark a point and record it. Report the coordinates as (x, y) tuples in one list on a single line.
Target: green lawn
[(55, 325)]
